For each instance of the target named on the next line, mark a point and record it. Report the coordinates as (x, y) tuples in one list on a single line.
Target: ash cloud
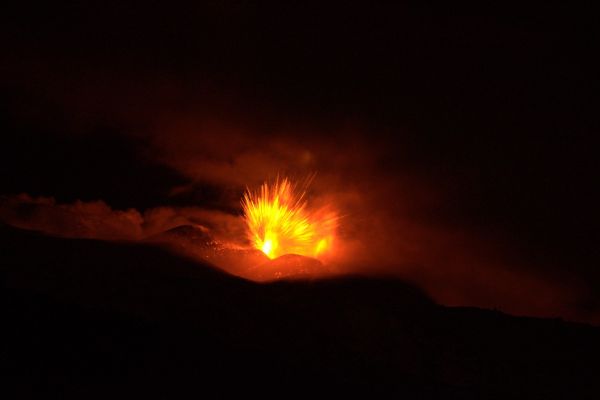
[(97, 220), (93, 220)]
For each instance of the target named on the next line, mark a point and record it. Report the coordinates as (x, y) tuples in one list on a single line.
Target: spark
[(279, 221)]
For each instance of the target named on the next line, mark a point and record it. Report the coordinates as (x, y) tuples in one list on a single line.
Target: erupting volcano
[(280, 221)]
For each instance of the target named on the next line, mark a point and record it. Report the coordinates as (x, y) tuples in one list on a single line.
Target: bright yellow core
[(279, 221)]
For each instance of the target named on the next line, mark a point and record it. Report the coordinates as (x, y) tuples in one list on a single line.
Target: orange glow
[(280, 222)]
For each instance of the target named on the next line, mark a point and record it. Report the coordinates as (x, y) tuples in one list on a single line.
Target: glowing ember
[(280, 222)]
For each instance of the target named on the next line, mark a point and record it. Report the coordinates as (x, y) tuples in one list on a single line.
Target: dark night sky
[(496, 112)]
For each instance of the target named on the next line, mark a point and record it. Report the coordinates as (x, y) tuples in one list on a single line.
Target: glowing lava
[(280, 222)]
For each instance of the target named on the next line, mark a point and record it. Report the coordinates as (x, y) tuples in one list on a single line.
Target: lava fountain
[(280, 221)]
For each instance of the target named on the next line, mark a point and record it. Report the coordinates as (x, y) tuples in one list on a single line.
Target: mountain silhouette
[(95, 319)]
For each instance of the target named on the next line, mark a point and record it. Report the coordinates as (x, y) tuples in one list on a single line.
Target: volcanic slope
[(92, 319)]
